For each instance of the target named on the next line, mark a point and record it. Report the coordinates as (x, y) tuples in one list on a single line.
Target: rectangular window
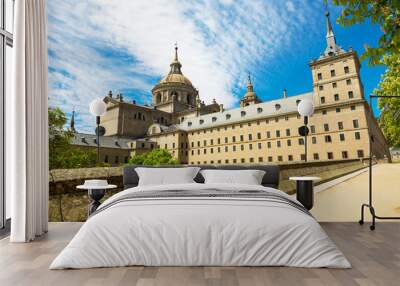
[(336, 96), (226, 139), (289, 142), (205, 142), (233, 139), (269, 159), (212, 150), (290, 157), (242, 147), (319, 75), (226, 161), (302, 157), (234, 148), (355, 123), (334, 84), (258, 135), (316, 156), (268, 134), (269, 144), (219, 149), (350, 93), (287, 132), (250, 137), (357, 135), (312, 127), (250, 146), (340, 125), (348, 81), (314, 140), (344, 155), (204, 151), (326, 127), (360, 153), (353, 107), (241, 138), (278, 133), (321, 87), (338, 110), (278, 143), (328, 139), (346, 69), (243, 160), (260, 159), (259, 145), (280, 158), (333, 73), (341, 136), (234, 161), (251, 160), (226, 149), (330, 155), (322, 99), (211, 142), (301, 141), (324, 112)]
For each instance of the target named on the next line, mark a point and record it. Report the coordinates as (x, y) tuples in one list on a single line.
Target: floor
[(375, 257), (342, 201)]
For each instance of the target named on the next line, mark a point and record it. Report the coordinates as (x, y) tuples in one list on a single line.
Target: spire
[(72, 123), (332, 48), (176, 52), (176, 65), (249, 83)]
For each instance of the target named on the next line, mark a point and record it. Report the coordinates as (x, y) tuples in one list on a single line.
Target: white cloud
[(219, 42)]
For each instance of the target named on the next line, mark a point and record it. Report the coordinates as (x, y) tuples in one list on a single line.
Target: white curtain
[(27, 124)]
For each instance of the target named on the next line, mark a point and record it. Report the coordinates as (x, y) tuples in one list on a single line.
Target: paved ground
[(342, 202)]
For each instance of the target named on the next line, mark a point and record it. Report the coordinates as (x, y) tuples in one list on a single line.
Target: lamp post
[(306, 109), (98, 108)]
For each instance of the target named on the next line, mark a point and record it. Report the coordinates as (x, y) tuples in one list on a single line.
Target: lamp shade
[(98, 107), (305, 107)]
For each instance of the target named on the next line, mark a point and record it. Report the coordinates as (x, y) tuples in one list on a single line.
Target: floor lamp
[(305, 109), (98, 108), (370, 203)]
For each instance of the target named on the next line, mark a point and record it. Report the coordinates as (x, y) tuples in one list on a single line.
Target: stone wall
[(69, 204)]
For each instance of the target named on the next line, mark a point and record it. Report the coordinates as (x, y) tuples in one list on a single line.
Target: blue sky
[(126, 46)]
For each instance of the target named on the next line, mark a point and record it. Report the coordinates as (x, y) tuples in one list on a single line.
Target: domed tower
[(174, 92), (250, 97)]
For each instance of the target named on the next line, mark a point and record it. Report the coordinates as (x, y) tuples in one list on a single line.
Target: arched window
[(228, 116), (189, 123), (158, 98), (242, 113), (188, 98), (214, 119), (139, 115), (201, 121), (259, 110), (277, 106)]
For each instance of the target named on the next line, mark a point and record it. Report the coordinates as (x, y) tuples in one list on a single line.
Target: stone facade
[(256, 132)]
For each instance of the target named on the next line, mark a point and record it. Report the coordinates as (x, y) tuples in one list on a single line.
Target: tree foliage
[(385, 13), (62, 155), (390, 107), (155, 157)]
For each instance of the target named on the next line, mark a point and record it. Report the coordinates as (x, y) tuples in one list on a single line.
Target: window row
[(346, 70), (350, 95), (280, 158)]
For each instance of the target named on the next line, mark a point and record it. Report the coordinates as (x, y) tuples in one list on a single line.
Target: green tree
[(385, 13), (155, 157), (62, 155), (390, 107)]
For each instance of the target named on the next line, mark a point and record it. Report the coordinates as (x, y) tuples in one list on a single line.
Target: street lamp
[(98, 108), (306, 109)]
